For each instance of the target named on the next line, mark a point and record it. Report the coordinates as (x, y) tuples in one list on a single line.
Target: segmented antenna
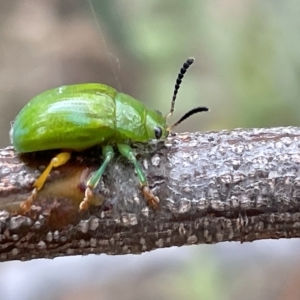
[(187, 115), (180, 76)]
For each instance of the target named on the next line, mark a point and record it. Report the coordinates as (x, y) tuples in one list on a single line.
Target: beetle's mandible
[(77, 117)]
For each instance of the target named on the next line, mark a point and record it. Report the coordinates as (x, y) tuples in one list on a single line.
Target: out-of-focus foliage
[(246, 70)]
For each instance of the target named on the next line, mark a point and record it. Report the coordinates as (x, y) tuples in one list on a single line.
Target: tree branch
[(239, 185)]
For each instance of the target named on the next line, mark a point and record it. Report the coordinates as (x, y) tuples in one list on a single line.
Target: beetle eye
[(158, 132)]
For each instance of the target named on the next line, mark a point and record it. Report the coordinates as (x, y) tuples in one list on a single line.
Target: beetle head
[(156, 125)]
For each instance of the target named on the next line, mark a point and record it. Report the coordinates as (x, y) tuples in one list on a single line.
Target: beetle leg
[(108, 153), (151, 199), (59, 160)]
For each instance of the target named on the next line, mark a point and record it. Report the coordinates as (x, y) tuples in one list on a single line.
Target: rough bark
[(240, 185)]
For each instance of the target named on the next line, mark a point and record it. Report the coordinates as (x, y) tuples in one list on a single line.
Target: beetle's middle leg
[(151, 199), (108, 153), (59, 160)]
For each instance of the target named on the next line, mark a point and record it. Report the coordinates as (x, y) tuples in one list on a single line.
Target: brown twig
[(239, 185)]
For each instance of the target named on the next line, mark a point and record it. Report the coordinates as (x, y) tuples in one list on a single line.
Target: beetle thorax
[(134, 121)]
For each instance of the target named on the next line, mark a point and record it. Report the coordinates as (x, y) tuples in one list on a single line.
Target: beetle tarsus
[(26, 205), (85, 203), (151, 199)]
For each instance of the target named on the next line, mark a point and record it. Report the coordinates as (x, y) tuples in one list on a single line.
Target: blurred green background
[(247, 71)]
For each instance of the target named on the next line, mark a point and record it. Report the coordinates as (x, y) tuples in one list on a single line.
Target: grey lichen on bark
[(240, 185)]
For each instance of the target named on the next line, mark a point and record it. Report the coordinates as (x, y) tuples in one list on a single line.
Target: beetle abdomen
[(71, 118)]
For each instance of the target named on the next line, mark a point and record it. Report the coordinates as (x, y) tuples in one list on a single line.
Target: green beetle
[(77, 117)]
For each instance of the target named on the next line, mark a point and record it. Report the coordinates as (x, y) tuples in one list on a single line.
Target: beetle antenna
[(180, 76), (187, 115)]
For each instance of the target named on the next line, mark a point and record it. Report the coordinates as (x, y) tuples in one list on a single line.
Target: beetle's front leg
[(108, 153), (151, 199)]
